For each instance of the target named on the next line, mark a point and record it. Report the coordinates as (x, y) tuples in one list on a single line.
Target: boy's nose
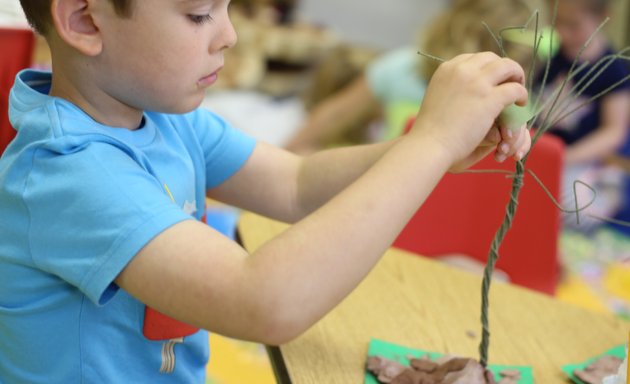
[(228, 34)]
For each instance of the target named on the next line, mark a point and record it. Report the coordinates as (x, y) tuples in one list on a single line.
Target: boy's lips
[(207, 81)]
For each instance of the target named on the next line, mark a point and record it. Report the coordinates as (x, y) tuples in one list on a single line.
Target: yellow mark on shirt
[(169, 192)]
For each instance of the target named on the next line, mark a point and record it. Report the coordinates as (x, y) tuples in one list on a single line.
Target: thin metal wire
[(517, 185), (556, 105)]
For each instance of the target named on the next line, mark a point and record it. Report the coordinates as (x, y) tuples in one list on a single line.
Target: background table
[(420, 303)]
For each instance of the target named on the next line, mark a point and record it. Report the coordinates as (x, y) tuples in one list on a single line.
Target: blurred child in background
[(596, 131), (391, 87)]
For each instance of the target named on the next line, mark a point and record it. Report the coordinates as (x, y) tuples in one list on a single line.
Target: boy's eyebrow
[(186, 2), (193, 3)]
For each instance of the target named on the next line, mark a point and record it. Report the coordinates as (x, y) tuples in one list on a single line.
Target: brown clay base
[(595, 372), (446, 370)]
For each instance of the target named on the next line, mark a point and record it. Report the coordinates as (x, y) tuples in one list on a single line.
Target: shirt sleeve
[(224, 149), (90, 211)]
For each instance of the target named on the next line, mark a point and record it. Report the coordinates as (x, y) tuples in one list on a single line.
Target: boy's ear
[(75, 25)]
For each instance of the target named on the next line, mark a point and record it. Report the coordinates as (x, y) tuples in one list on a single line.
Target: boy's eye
[(200, 19)]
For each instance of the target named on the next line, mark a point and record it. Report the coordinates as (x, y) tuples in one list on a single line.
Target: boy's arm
[(287, 187), (193, 274)]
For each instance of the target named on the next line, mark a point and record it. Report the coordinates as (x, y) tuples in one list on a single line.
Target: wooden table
[(420, 303)]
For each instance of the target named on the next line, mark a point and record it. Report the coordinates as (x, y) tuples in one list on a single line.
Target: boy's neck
[(132, 120), (79, 88)]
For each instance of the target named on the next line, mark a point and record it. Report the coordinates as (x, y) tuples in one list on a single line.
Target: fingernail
[(504, 148), (509, 133), (519, 155), (500, 158)]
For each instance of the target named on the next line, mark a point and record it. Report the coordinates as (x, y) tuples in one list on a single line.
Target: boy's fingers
[(504, 70), (494, 136), (508, 135), (512, 92), (525, 145), (514, 144)]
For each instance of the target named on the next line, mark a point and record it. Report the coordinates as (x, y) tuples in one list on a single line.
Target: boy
[(112, 162)]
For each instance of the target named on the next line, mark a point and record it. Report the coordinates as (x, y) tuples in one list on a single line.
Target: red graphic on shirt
[(158, 326)]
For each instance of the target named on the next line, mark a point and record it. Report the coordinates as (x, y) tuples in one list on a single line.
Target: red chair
[(465, 210), (16, 53)]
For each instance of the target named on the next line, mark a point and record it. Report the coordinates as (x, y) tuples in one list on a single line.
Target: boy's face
[(575, 25), (165, 55)]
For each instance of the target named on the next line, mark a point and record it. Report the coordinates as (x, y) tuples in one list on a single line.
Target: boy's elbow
[(282, 326), (278, 338)]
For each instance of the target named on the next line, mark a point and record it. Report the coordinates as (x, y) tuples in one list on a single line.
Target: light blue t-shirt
[(396, 82), (78, 201)]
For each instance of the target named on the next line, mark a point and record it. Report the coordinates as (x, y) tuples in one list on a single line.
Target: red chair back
[(16, 53), (465, 210)]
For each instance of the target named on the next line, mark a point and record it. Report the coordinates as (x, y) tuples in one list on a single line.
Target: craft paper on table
[(618, 351), (400, 354)]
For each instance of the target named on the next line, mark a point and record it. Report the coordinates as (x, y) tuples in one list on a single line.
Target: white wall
[(379, 24), (390, 23), (11, 13)]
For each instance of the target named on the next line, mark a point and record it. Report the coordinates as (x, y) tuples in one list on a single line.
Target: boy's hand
[(514, 143), (505, 143), (463, 101)]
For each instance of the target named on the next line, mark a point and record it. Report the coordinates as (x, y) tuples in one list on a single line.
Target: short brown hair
[(38, 12)]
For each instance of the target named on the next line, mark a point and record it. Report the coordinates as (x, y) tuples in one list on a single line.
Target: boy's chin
[(179, 108)]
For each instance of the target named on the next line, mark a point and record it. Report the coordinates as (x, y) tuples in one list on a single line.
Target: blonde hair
[(460, 29)]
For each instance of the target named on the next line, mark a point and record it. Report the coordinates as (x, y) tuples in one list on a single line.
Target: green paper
[(618, 351), (514, 116), (400, 353), (548, 42)]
